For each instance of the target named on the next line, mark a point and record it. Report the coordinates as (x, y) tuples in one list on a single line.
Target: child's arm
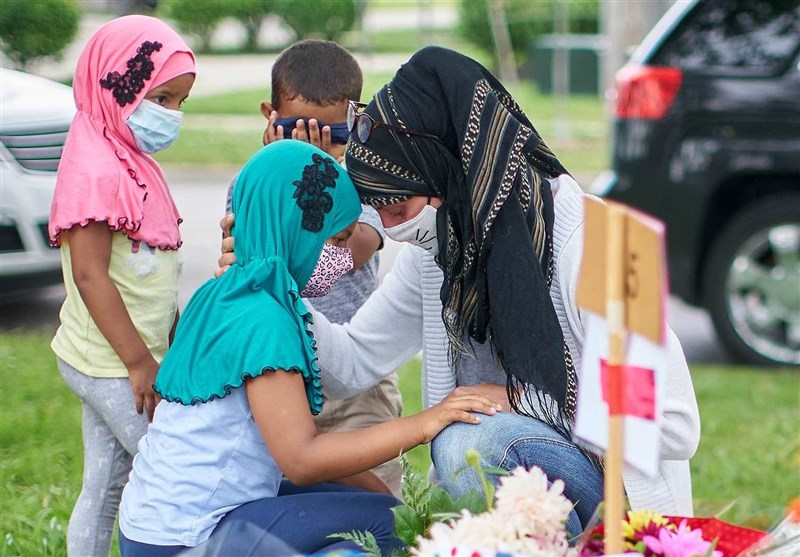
[(364, 242), (280, 408), (90, 247), (368, 481)]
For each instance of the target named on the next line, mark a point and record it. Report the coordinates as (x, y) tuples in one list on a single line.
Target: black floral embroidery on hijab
[(311, 196), (125, 87)]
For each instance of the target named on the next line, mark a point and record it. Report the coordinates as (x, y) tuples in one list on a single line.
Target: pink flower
[(684, 542)]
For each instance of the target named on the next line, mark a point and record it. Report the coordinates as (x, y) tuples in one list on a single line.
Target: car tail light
[(646, 92)]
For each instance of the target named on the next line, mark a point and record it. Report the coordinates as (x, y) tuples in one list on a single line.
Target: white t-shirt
[(195, 464)]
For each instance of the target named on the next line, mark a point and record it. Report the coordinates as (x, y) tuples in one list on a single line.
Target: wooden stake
[(615, 316)]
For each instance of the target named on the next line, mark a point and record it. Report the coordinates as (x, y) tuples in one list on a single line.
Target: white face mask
[(154, 127), (419, 231)]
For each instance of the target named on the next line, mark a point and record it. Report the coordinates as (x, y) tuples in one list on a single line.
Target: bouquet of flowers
[(528, 518)]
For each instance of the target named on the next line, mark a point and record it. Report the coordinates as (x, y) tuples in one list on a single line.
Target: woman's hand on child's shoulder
[(456, 407), (227, 258)]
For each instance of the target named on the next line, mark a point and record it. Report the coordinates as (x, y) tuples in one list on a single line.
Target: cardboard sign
[(644, 277), (623, 286)]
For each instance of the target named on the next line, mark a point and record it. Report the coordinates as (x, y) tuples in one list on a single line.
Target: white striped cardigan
[(403, 317)]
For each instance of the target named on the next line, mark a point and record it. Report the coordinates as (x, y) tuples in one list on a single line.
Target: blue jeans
[(297, 522), (508, 440)]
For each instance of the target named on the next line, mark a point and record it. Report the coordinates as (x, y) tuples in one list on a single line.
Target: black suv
[(707, 138)]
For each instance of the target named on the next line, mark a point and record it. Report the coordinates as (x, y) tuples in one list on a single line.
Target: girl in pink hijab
[(117, 226)]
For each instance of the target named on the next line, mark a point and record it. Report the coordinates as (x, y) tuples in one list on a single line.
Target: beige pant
[(374, 406)]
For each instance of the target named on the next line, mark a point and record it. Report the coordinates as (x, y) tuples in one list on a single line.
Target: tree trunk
[(502, 42)]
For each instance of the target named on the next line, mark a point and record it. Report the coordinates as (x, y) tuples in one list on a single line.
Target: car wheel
[(752, 282)]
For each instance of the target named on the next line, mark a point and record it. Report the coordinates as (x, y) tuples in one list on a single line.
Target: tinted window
[(756, 37)]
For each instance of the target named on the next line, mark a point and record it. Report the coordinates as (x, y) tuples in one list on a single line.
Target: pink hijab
[(102, 175)]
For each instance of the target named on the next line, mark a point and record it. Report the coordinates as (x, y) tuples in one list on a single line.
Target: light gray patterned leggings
[(111, 433)]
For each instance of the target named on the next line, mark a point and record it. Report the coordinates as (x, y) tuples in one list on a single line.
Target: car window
[(749, 37)]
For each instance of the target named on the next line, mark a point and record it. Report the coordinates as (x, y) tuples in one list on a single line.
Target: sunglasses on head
[(362, 124)]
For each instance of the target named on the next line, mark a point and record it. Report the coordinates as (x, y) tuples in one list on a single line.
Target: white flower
[(528, 520), (525, 496)]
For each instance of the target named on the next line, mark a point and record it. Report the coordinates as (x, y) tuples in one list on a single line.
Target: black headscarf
[(491, 170)]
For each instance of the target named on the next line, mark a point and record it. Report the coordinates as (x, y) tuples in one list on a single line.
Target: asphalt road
[(200, 195)]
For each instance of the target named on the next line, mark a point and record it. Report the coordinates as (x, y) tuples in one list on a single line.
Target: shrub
[(41, 29), (251, 14), (526, 20), (325, 19), (198, 17)]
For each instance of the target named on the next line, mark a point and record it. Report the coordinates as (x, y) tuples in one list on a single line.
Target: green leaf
[(473, 459), (407, 524), (440, 501), (365, 540), (712, 547), (488, 492), (471, 501), (460, 471), (441, 517), (496, 470), (416, 487)]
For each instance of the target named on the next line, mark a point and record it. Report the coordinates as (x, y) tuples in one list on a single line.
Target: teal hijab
[(288, 200)]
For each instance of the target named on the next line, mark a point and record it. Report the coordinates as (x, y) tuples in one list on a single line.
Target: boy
[(312, 82)]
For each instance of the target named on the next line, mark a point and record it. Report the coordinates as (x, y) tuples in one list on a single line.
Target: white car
[(35, 114)]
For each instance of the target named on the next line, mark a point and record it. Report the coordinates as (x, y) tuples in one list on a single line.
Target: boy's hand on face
[(272, 134), (312, 133)]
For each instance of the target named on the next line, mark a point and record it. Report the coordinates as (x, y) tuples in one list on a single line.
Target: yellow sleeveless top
[(147, 279)]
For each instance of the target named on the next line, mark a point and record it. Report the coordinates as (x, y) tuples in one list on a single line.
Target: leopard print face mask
[(333, 264)]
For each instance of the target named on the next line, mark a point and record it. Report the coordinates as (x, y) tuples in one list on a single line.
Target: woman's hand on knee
[(492, 391), (456, 407)]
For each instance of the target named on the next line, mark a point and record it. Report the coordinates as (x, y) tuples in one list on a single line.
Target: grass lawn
[(750, 448)]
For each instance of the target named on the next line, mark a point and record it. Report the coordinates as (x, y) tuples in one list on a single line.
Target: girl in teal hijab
[(240, 384), (252, 319)]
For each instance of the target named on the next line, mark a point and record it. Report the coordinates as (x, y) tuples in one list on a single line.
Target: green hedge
[(326, 19), (526, 20), (34, 29)]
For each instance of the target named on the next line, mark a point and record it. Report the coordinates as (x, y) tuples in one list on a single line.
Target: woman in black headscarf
[(454, 166), (475, 150)]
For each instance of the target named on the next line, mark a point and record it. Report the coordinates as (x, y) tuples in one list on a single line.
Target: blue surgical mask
[(339, 132), (154, 127)]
